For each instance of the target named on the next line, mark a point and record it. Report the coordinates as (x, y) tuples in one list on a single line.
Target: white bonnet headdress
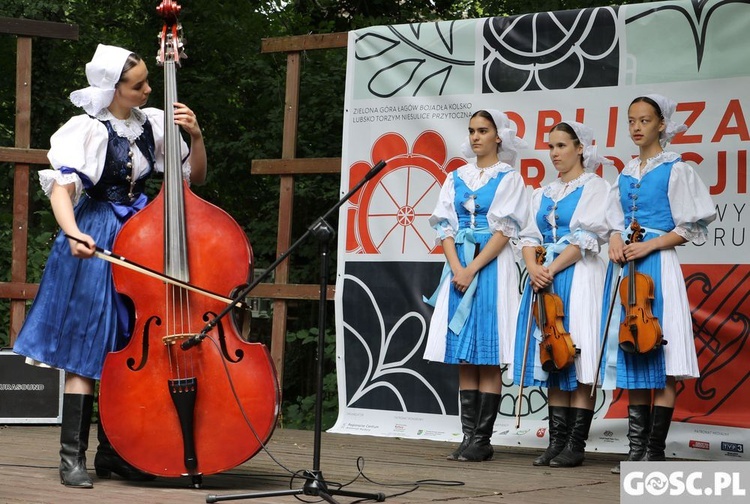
[(507, 151), (586, 137), (667, 108), (102, 72)]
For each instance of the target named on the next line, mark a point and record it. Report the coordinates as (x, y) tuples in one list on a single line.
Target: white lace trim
[(475, 177), (557, 189), (695, 233), (47, 178), (585, 240), (130, 128), (632, 168), (528, 242), (444, 230), (508, 227)]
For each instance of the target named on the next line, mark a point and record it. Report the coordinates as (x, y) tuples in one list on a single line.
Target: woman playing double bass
[(568, 220), (665, 198), (100, 160)]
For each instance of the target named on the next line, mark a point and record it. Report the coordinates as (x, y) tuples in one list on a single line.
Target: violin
[(556, 350), (170, 411), (640, 331)]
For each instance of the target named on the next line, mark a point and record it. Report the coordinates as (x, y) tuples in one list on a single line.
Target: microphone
[(375, 170), (192, 341)]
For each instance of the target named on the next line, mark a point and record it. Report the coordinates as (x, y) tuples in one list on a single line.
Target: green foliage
[(298, 410)]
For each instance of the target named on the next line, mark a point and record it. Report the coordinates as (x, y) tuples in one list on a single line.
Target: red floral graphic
[(392, 209)]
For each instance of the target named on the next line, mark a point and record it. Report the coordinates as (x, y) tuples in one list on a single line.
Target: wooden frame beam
[(32, 28), (18, 290), (21, 176), (304, 42), (27, 156), (291, 291), (298, 166)]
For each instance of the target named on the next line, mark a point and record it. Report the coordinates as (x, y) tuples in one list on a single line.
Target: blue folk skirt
[(77, 316)]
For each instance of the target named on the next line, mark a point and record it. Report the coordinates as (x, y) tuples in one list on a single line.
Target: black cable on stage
[(415, 485)]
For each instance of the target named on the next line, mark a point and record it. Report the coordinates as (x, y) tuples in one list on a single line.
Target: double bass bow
[(168, 411), (605, 330), (556, 350), (519, 397)]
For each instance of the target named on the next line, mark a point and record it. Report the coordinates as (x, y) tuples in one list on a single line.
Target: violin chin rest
[(628, 347)]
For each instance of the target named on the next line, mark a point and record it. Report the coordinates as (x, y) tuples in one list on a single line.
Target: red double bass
[(168, 411)]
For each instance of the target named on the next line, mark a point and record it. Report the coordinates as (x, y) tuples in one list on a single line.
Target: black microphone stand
[(315, 484)]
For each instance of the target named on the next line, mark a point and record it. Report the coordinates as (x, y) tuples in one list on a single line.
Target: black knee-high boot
[(107, 461), (575, 446), (558, 435), (469, 403), (661, 419), (479, 448), (639, 424), (74, 440)]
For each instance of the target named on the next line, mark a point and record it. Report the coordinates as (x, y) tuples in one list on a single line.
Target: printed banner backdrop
[(410, 92)]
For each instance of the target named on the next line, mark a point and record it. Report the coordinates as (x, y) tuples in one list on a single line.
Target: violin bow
[(605, 331), (113, 258), (519, 399)]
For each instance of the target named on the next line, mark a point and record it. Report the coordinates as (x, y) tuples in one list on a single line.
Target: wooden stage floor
[(28, 473)]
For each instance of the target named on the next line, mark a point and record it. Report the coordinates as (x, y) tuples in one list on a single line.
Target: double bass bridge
[(173, 339)]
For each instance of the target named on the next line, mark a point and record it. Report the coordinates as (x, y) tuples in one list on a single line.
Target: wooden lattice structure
[(286, 168), (22, 156)]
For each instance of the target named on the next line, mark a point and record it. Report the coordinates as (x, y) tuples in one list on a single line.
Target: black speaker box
[(29, 394)]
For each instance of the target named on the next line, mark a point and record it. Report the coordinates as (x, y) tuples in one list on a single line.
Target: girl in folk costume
[(568, 219), (670, 203), (482, 205), (100, 163)]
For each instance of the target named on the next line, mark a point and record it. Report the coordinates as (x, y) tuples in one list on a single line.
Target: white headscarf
[(507, 151), (667, 108), (103, 72), (586, 137)]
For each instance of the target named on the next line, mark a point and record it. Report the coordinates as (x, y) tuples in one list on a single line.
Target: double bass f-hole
[(556, 350), (640, 331)]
